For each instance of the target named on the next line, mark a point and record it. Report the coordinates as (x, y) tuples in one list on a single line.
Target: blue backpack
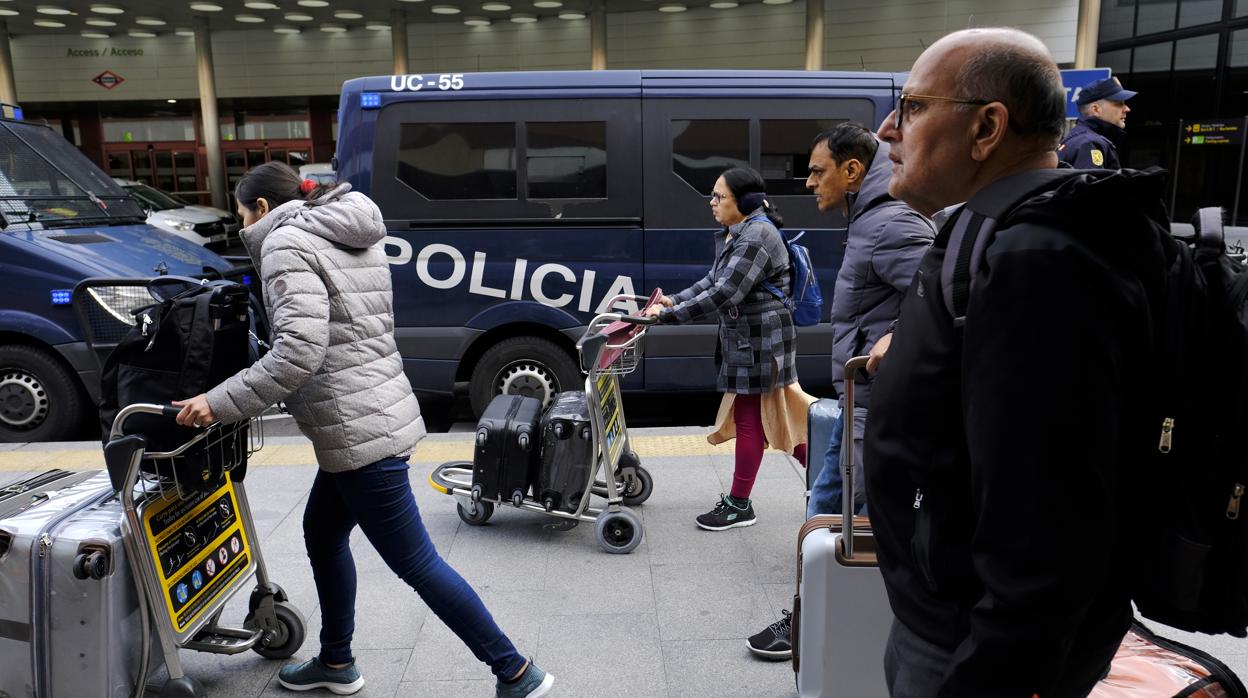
[(806, 303)]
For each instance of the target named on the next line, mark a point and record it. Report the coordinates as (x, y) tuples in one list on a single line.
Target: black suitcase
[(505, 457), (567, 453)]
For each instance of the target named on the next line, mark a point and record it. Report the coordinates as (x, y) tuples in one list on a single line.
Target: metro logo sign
[(108, 79)]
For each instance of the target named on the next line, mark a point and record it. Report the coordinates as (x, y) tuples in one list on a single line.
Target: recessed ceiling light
[(523, 18), (172, 101), (142, 34), (312, 3), (184, 31), (100, 22), (723, 4), (6, 12), (150, 21), (672, 7), (495, 6), (202, 6), (776, 2), (249, 19), (444, 10), (286, 29), (547, 3), (377, 26), (477, 21), (52, 10), (107, 9), (299, 17), (49, 23), (333, 28), (571, 14), (90, 34), (260, 5), (348, 14)]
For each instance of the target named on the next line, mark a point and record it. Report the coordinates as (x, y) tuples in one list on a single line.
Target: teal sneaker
[(314, 674), (532, 684)]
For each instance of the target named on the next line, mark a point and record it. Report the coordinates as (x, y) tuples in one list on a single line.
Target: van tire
[(538, 365), (40, 399)]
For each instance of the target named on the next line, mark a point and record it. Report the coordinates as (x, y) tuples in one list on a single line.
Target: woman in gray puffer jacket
[(335, 364)]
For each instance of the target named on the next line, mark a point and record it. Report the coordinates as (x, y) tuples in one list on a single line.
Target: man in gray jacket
[(850, 172)]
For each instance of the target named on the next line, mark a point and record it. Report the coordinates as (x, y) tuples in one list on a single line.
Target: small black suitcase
[(505, 457), (567, 453)]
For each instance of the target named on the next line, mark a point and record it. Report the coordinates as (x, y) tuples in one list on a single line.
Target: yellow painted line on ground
[(31, 458)]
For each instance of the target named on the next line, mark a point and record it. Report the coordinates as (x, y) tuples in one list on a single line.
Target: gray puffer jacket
[(334, 360), (887, 240)]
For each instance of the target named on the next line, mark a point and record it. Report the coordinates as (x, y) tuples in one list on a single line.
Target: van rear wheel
[(530, 366), (39, 396)]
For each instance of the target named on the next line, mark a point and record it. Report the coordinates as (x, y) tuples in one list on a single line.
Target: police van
[(518, 204), (63, 220)]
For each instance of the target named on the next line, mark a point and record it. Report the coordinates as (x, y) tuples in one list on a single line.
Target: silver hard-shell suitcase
[(67, 595), (841, 615)]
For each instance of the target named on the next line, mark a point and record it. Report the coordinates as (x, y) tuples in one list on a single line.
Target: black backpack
[(1190, 547), (185, 345)]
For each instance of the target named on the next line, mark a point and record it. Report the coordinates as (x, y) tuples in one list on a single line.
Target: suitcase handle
[(847, 456)]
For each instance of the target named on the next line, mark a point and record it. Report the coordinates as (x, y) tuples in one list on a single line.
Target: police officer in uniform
[(1094, 141)]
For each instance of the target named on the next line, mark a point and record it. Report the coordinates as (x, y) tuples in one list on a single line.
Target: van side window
[(703, 148), (786, 152), (459, 161), (566, 160)]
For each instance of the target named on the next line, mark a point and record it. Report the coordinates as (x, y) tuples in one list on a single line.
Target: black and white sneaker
[(774, 642), (727, 515)]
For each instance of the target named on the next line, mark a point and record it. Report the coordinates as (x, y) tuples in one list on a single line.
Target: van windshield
[(46, 181)]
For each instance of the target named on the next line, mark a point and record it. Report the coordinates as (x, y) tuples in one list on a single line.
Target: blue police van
[(63, 220), (519, 204)]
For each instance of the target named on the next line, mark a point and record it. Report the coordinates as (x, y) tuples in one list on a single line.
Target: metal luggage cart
[(610, 347), (192, 545)]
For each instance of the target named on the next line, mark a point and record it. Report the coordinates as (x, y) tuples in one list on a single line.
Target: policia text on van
[(63, 220), (518, 204)]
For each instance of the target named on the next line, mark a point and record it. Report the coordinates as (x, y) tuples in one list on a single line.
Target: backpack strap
[(1209, 232), (199, 341), (974, 226)]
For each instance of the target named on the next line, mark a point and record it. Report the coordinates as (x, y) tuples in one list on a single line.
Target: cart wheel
[(517, 499), (185, 687), (618, 532), (639, 487), (478, 516), (286, 638)]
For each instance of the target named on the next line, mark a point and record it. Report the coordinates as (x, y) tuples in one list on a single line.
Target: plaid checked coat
[(757, 350)]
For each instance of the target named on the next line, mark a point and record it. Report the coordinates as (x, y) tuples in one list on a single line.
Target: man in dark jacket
[(1000, 448), (1095, 139), (850, 172)]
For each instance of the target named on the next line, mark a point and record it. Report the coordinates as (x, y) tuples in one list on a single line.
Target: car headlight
[(181, 226)]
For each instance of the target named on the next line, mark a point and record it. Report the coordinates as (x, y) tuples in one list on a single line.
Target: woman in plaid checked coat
[(757, 339)]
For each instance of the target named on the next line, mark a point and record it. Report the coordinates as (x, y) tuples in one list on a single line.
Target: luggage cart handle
[(139, 408), (847, 455)]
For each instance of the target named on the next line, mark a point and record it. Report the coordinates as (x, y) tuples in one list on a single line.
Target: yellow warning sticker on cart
[(199, 547), (612, 422)]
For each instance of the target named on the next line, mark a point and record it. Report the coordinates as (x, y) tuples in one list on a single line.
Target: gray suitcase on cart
[(841, 615), (69, 616)]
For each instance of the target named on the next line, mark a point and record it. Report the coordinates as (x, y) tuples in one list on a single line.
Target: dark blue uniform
[(1092, 144)]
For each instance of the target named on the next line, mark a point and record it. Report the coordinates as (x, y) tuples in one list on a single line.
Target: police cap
[(1109, 88)]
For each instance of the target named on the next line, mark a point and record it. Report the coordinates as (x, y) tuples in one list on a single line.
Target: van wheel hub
[(529, 379), (23, 400)]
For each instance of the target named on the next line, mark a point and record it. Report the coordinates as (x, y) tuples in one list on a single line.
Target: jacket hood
[(1116, 213), (341, 216), (874, 189)]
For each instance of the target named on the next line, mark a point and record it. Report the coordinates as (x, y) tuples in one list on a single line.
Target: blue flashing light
[(370, 100), (246, 280), (62, 297), (17, 114)]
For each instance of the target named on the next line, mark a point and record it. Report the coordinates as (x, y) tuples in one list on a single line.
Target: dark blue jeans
[(378, 498)]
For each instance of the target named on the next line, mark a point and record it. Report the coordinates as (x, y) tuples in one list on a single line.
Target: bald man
[(998, 447)]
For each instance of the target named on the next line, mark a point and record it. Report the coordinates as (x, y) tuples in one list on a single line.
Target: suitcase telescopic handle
[(847, 456)]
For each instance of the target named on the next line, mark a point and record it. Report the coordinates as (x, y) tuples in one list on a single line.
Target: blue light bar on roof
[(62, 296), (370, 100)]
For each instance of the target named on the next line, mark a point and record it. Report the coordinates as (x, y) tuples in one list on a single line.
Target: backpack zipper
[(1167, 437), (1232, 506)]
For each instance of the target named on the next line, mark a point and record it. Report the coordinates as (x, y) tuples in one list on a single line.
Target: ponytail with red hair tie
[(307, 186)]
